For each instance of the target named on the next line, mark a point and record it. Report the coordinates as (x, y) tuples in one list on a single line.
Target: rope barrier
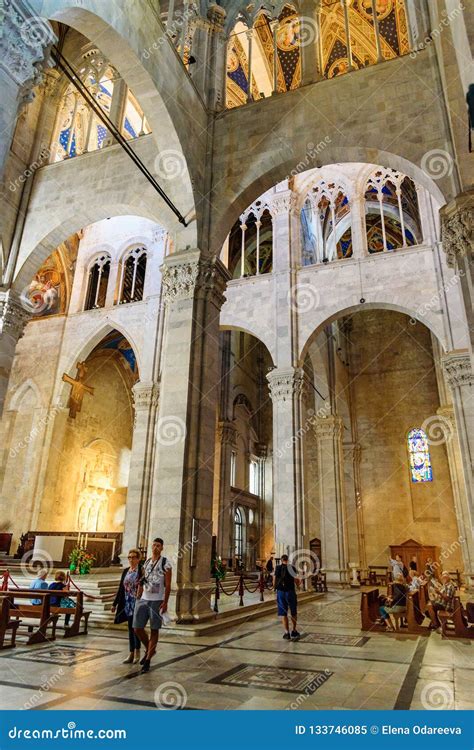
[(100, 598)]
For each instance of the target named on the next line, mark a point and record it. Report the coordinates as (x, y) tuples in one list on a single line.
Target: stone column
[(117, 108), (457, 234), (25, 43), (329, 432), (464, 518), (358, 226), (192, 292), (309, 46), (210, 52), (458, 372), (13, 318), (145, 398), (286, 389), (225, 443)]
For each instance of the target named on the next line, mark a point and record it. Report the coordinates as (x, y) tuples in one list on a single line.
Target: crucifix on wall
[(78, 389)]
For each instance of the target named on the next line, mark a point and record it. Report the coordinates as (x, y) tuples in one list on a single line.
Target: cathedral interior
[(237, 313)]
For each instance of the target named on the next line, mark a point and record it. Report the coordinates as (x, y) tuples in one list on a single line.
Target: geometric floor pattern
[(335, 640), (272, 678), (247, 666), (65, 656)]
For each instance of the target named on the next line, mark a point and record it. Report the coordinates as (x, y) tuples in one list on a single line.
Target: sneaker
[(295, 636), (146, 666), (287, 637), (129, 659)]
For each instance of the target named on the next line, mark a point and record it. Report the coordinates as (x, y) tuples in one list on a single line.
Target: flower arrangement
[(81, 560), (218, 569)]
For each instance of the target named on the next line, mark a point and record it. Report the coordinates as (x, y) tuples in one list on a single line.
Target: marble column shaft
[(182, 496)]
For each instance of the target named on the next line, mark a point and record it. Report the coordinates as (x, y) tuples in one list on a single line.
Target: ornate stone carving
[(282, 204), (24, 45), (285, 384), (226, 433), (145, 395), (457, 228), (13, 317), (458, 369), (183, 280), (328, 428)]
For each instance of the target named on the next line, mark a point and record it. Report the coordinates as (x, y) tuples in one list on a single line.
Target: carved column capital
[(13, 316), (24, 45), (282, 204), (328, 428), (187, 275), (458, 369), (216, 16), (285, 384), (457, 227), (226, 433), (145, 395)]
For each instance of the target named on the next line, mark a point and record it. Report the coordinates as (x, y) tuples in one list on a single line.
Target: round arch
[(146, 62), (412, 313), (256, 335), (271, 173), (84, 350)]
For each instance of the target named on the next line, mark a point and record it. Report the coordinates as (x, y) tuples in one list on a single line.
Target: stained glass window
[(420, 460)]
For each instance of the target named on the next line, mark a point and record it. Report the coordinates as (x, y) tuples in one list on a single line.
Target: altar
[(105, 546)]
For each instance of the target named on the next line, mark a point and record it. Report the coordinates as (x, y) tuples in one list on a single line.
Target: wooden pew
[(42, 612), (369, 611), (7, 625), (455, 624), (47, 615), (415, 613)]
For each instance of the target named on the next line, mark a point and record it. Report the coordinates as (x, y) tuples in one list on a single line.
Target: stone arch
[(265, 172), (37, 247), (22, 391), (412, 313), (147, 62), (245, 328), (85, 348)]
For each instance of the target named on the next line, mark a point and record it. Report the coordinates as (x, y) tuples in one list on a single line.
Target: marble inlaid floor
[(248, 666)]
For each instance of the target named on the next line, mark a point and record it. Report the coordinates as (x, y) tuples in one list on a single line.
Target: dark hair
[(284, 557), (158, 539)]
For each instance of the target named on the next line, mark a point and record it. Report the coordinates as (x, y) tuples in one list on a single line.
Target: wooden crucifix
[(78, 389)]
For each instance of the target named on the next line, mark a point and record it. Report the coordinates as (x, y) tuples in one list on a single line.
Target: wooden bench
[(455, 624), (7, 625), (415, 613), (47, 615), (369, 611)]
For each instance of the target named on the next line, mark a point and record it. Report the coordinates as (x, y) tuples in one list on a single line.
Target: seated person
[(59, 584), (416, 581), (441, 598), (397, 603), (39, 583), (413, 565)]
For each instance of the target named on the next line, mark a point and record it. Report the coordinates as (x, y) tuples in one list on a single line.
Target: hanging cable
[(74, 78)]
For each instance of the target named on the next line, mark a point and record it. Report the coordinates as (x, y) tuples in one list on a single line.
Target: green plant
[(80, 558)]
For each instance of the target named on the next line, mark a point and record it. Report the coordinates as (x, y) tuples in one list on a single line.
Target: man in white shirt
[(152, 601)]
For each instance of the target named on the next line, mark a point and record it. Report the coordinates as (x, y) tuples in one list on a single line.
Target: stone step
[(220, 621)]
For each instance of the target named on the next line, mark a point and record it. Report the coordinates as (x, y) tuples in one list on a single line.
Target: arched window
[(238, 534), (78, 129), (326, 224), (133, 276), (393, 219), (419, 454), (97, 284)]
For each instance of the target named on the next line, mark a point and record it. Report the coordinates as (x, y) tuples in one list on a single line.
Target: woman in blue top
[(124, 602), (59, 584)]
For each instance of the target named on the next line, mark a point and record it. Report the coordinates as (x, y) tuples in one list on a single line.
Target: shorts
[(147, 611), (286, 600)]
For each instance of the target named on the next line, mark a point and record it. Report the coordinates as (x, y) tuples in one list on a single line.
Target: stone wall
[(395, 390)]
